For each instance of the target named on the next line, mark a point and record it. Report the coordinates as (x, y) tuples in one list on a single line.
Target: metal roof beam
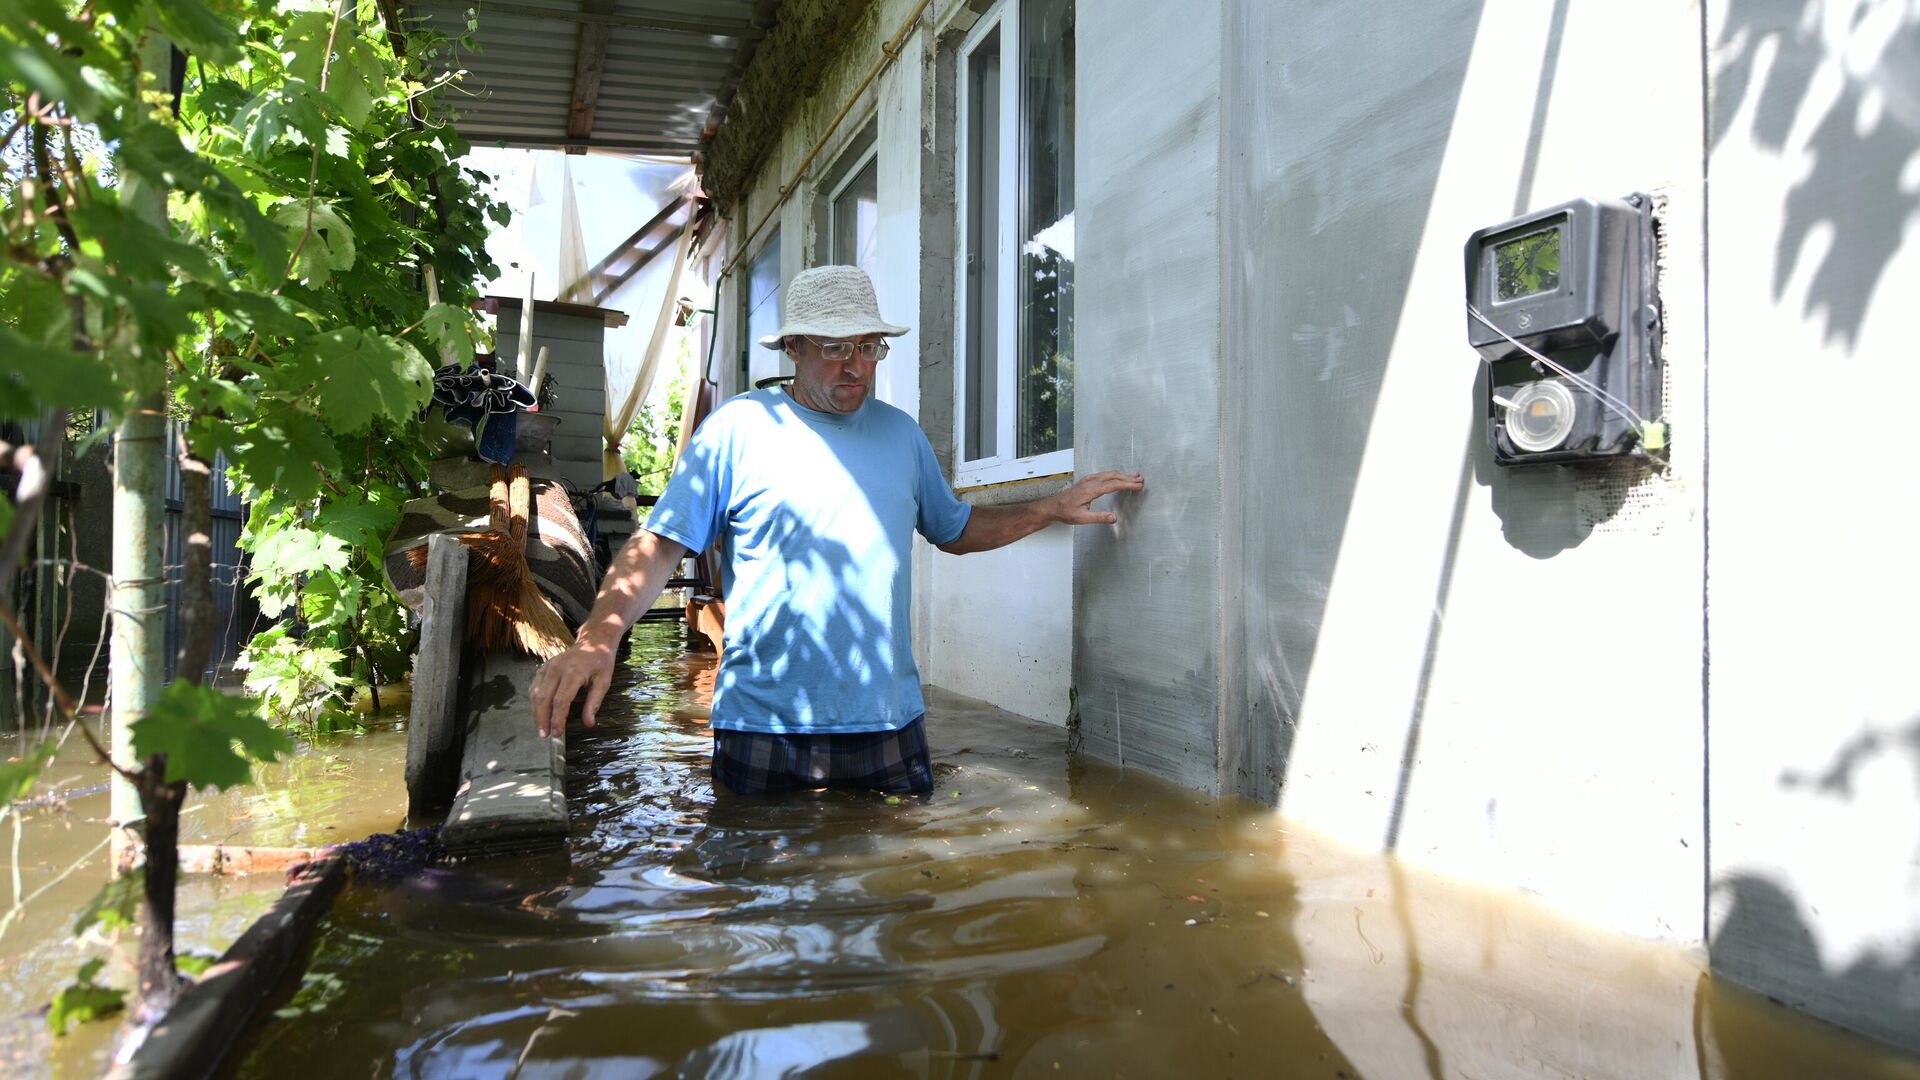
[(731, 28), (589, 63), (527, 137)]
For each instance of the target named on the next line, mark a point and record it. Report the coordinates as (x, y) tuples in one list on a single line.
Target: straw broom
[(505, 607)]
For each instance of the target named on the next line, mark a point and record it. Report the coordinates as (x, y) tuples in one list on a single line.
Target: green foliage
[(253, 254), (194, 965), (306, 180), (360, 377), (112, 908), (84, 999), (211, 739), (18, 775), (295, 680), (648, 449)]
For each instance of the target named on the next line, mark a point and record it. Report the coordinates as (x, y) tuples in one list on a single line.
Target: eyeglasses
[(838, 351)]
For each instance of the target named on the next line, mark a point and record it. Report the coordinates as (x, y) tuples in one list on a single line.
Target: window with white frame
[(1014, 168), (853, 214)]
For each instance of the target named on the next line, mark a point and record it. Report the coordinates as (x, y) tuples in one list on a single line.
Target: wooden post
[(513, 782), (433, 732)]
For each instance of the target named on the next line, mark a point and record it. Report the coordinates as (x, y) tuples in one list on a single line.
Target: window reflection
[(982, 412), (1045, 286), (763, 304), (856, 220)]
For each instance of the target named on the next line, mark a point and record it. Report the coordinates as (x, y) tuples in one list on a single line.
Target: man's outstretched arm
[(990, 527), (633, 583)]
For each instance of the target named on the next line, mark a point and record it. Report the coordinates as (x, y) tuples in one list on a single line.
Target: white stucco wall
[(1503, 680), (1815, 689), (1341, 626)]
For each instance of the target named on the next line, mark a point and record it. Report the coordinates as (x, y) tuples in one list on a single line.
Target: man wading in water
[(813, 492)]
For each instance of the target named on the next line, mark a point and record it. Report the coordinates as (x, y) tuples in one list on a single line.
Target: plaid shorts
[(754, 763)]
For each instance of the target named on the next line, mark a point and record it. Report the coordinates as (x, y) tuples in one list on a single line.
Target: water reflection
[(1037, 911), (337, 788)]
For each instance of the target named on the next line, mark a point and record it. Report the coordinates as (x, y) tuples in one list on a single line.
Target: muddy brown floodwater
[(1039, 914), (338, 788)]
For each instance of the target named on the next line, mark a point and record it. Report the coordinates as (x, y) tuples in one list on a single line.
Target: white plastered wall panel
[(1495, 672), (1146, 592), (1815, 702), (898, 118)]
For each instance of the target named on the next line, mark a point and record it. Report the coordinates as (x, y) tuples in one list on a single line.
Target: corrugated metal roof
[(646, 76)]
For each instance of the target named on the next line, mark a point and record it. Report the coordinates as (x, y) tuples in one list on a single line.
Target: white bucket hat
[(830, 302)]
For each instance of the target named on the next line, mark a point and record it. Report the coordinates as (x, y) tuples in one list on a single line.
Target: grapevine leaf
[(221, 403), (330, 600), (295, 551), (194, 965), (199, 728), (34, 376), (220, 96), (83, 1001), (446, 327), (328, 241), (362, 376), (289, 112), (355, 79), (265, 314), (304, 45), (286, 453), (361, 521), (339, 142), (198, 30), (17, 776), (113, 907)]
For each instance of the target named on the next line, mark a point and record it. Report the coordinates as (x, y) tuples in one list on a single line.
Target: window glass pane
[(856, 219), (982, 241), (1045, 282), (763, 303)]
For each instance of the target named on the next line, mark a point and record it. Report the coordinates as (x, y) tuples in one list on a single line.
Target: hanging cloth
[(618, 421)]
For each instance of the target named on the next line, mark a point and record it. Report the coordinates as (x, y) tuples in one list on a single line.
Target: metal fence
[(230, 602), (61, 592)]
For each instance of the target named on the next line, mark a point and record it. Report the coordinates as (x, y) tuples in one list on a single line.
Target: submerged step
[(512, 791)]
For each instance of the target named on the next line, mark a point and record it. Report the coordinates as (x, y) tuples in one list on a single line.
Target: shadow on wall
[(1765, 941), (1547, 509), (1782, 55)]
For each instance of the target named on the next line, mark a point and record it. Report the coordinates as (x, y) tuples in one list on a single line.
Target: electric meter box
[(1564, 307)]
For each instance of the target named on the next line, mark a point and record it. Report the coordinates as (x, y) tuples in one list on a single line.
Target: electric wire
[(1604, 398)]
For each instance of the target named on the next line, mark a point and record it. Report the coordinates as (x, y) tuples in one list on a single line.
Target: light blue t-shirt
[(814, 513)]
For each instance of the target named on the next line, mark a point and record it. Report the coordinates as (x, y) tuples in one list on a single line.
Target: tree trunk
[(160, 802), (159, 980)]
